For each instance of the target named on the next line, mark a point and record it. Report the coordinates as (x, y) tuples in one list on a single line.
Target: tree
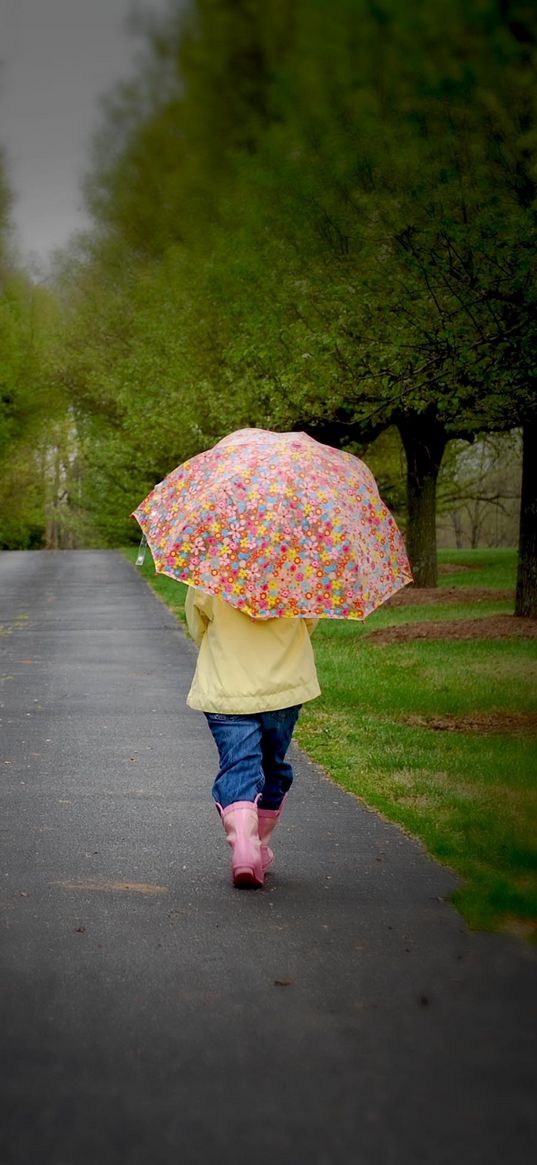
[(30, 409), (479, 491), (164, 158), (526, 588), (341, 202), (29, 403), (413, 230), (144, 338)]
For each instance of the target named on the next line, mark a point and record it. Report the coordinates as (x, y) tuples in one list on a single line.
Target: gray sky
[(57, 57)]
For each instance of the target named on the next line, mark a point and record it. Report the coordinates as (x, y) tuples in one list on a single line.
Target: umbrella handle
[(140, 558)]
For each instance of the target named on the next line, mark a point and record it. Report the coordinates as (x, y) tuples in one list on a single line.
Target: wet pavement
[(150, 1012)]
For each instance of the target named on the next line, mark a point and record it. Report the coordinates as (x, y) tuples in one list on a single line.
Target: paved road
[(151, 1014)]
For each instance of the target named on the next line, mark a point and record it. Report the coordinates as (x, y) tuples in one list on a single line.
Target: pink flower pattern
[(278, 525)]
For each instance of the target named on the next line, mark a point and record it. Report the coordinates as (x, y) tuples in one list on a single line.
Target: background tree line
[(32, 407), (318, 216)]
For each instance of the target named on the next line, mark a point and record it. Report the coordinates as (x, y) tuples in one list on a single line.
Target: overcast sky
[(57, 57)]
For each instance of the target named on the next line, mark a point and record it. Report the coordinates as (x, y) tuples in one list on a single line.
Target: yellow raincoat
[(245, 664)]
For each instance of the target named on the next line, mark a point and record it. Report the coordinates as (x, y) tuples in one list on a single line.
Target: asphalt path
[(150, 1012)]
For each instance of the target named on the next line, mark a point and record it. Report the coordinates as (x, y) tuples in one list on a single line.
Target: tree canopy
[(318, 216), (30, 404)]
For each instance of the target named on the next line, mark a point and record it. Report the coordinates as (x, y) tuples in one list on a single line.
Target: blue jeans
[(252, 749)]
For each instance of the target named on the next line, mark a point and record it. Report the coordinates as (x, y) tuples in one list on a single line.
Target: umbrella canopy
[(277, 524)]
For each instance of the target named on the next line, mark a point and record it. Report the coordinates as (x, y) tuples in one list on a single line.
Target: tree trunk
[(526, 586), (456, 521), (424, 441)]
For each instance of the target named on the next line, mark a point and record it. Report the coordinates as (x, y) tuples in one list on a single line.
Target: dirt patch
[(454, 568), (435, 596), (483, 627), (489, 723)]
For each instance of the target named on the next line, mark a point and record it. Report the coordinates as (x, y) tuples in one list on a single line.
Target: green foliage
[(30, 405), (22, 500), (318, 215), (133, 366), (17, 360), (433, 735), (389, 238)]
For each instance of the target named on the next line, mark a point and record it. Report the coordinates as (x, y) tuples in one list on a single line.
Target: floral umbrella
[(277, 525)]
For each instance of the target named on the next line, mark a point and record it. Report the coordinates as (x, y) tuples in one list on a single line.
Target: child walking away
[(271, 531), (251, 678)]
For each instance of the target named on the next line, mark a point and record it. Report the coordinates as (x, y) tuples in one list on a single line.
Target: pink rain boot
[(268, 820), (240, 824)]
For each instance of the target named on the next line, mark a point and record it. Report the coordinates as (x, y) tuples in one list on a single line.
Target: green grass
[(483, 568), (470, 796)]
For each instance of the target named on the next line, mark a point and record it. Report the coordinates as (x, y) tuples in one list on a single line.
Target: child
[(252, 677)]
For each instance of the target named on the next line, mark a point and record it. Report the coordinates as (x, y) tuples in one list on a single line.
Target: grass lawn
[(437, 735)]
